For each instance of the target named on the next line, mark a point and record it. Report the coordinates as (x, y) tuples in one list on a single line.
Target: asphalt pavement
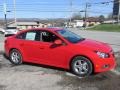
[(2, 42)]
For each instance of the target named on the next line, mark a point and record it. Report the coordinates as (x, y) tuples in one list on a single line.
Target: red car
[(60, 48)]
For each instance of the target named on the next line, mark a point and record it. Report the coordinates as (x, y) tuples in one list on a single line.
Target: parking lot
[(39, 77)]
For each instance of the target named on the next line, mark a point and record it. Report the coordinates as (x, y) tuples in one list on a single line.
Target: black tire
[(15, 57), (81, 66)]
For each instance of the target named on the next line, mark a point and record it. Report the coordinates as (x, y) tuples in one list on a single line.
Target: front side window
[(48, 36), (70, 36)]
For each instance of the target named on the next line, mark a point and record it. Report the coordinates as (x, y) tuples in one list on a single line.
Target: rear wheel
[(15, 57), (81, 66)]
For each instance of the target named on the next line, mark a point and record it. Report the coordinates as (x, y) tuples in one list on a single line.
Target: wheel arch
[(13, 49), (82, 56), (17, 50)]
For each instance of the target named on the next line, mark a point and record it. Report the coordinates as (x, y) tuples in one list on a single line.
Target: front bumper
[(106, 64)]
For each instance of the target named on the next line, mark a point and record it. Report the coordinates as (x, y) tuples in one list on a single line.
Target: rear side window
[(21, 36), (31, 35)]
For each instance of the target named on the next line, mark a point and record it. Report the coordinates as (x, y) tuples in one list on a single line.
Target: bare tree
[(76, 16)]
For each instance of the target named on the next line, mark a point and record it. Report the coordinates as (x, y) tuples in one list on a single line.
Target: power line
[(39, 4), (22, 10), (45, 10), (28, 4), (22, 7)]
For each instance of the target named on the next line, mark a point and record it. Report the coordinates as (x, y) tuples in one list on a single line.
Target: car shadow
[(5, 56), (39, 65), (46, 66)]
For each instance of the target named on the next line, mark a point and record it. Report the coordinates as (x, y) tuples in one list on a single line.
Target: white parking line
[(72, 75), (1, 57), (115, 71)]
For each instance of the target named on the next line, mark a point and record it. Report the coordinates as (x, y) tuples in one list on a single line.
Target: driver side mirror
[(58, 42)]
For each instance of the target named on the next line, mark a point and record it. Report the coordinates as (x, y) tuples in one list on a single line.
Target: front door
[(50, 54)]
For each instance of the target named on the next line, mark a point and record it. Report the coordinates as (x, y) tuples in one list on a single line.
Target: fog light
[(106, 66)]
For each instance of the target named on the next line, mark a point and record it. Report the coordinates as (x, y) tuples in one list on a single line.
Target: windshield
[(70, 36)]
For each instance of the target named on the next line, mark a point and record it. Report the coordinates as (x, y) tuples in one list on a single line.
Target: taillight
[(6, 41)]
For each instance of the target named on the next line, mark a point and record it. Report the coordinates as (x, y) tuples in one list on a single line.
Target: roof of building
[(93, 19)]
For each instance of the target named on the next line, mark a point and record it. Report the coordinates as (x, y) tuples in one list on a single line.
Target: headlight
[(102, 54)]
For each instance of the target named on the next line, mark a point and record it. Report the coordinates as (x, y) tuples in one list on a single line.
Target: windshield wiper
[(82, 39)]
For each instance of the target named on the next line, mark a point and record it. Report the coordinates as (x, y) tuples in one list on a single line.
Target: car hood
[(95, 45)]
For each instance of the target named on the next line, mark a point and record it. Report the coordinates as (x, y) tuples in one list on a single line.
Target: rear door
[(30, 45)]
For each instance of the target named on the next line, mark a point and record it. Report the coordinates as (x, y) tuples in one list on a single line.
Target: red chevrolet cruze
[(60, 48)]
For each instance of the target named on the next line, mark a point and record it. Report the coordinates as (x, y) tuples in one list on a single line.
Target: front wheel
[(15, 57), (81, 66)]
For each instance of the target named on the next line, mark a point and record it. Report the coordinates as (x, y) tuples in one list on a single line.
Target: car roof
[(48, 29)]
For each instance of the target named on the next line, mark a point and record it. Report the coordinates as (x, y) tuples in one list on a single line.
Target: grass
[(107, 27)]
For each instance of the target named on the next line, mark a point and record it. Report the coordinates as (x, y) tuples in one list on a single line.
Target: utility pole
[(15, 20), (71, 10), (5, 14), (86, 11)]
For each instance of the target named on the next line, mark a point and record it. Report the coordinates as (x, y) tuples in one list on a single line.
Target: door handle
[(22, 44), (41, 47)]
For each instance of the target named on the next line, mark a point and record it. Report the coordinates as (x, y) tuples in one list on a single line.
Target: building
[(78, 23), (29, 25), (109, 21), (91, 21), (74, 23)]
